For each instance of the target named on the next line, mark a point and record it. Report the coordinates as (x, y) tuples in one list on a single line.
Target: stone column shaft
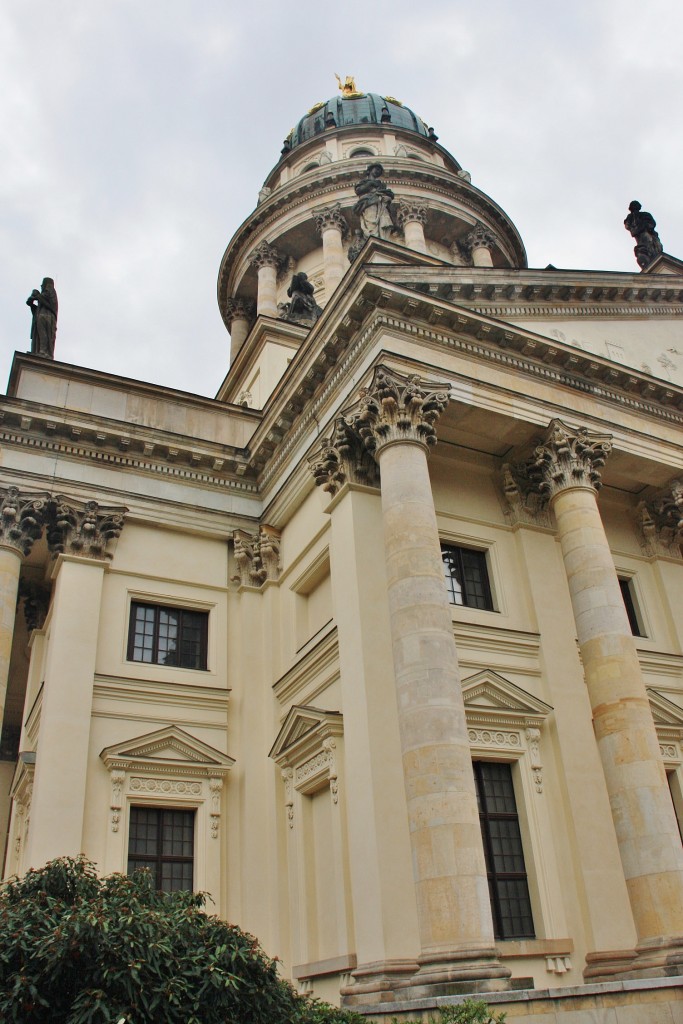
[(415, 235), (10, 566), (238, 335), (266, 304), (412, 216), (333, 258), (480, 242)]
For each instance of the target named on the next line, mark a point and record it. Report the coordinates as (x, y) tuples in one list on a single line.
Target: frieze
[(495, 738), (670, 751), (312, 767), (172, 787)]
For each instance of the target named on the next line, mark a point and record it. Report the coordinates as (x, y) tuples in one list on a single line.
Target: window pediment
[(303, 732), (493, 700), (170, 749)]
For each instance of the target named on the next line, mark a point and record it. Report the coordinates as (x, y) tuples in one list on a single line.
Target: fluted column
[(239, 313), (21, 523), (412, 217), (78, 535), (266, 258), (567, 467), (332, 227), (396, 423), (479, 242)]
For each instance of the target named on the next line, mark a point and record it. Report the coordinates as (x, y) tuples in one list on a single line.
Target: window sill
[(511, 948)]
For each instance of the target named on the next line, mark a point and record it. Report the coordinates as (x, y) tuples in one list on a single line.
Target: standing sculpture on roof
[(374, 204), (43, 305), (303, 308), (642, 226)]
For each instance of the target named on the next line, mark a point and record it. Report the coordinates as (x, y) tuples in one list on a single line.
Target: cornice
[(322, 661)]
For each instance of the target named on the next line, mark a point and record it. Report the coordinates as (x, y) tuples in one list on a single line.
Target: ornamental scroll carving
[(568, 457), (395, 407), (117, 780), (22, 518), (83, 529), (288, 779), (215, 790), (660, 521)]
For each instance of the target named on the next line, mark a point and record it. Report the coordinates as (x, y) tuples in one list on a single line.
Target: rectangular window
[(163, 842), (628, 595), (167, 636), (467, 577), (508, 888)]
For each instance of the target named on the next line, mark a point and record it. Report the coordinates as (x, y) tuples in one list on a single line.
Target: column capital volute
[(331, 217), (408, 210), (237, 308), (479, 238), (660, 520), (22, 517), (568, 457), (83, 528), (265, 255), (399, 407)]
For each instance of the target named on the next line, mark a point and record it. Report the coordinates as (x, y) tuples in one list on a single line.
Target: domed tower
[(360, 165)]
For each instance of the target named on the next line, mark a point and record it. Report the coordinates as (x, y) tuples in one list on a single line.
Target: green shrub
[(76, 949), (470, 1011)]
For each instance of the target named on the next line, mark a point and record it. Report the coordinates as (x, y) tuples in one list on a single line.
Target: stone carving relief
[(36, 600), (641, 226), (266, 255), (83, 529), (22, 518), (331, 217), (118, 778), (215, 789), (236, 309), (411, 210), (523, 502), (568, 457), (257, 556), (478, 238), (374, 208), (288, 779), (660, 521)]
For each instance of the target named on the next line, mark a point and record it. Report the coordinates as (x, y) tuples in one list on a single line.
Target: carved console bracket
[(660, 521)]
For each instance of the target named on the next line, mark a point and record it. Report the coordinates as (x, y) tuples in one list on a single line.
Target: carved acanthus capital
[(408, 210), (269, 553), (524, 503), (569, 457), (397, 407), (331, 217), (660, 520), (266, 255), (343, 458), (246, 559), (83, 529), (479, 238), (239, 309), (22, 517)]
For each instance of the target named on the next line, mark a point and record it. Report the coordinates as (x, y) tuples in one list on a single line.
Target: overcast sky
[(135, 135)]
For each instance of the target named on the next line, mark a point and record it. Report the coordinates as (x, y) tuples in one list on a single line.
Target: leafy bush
[(471, 1011), (76, 949)]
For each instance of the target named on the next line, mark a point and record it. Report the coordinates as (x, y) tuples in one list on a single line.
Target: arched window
[(361, 152)]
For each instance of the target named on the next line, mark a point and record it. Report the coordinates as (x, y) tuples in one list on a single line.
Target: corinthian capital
[(84, 529), (660, 519), (343, 458), (399, 408), (411, 210), (331, 217), (569, 457), (236, 309), (22, 517), (265, 255), (479, 238)]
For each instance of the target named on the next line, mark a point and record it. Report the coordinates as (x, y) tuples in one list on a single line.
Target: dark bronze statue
[(43, 306), (374, 204), (302, 306), (642, 226)]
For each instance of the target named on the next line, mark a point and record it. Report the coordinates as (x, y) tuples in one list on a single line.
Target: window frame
[(157, 860), (180, 610), (485, 564), (631, 605), (494, 877)]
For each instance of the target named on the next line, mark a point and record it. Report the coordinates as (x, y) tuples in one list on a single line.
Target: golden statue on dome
[(348, 87)]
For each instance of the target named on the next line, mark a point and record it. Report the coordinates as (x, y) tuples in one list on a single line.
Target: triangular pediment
[(664, 711), (302, 725), (489, 693), (167, 748), (665, 264)]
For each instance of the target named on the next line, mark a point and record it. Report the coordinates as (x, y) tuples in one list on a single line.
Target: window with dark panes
[(628, 597), (175, 637), (507, 878), (467, 578), (163, 842)]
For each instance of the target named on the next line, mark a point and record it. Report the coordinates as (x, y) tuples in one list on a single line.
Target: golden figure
[(348, 86)]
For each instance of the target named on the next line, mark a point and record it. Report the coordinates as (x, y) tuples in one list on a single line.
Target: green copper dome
[(356, 109)]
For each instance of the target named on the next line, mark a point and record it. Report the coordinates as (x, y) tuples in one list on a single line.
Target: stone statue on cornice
[(642, 226), (43, 305), (302, 308), (374, 204)]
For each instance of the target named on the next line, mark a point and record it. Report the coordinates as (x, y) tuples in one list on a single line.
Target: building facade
[(382, 646)]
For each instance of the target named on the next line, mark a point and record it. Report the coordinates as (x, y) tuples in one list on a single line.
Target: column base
[(455, 972), (661, 957)]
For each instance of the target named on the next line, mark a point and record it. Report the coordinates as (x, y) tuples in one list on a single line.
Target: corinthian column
[(412, 217), (480, 242), (78, 536), (332, 227), (239, 313), (396, 422), (266, 258), (566, 467), (21, 523)]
